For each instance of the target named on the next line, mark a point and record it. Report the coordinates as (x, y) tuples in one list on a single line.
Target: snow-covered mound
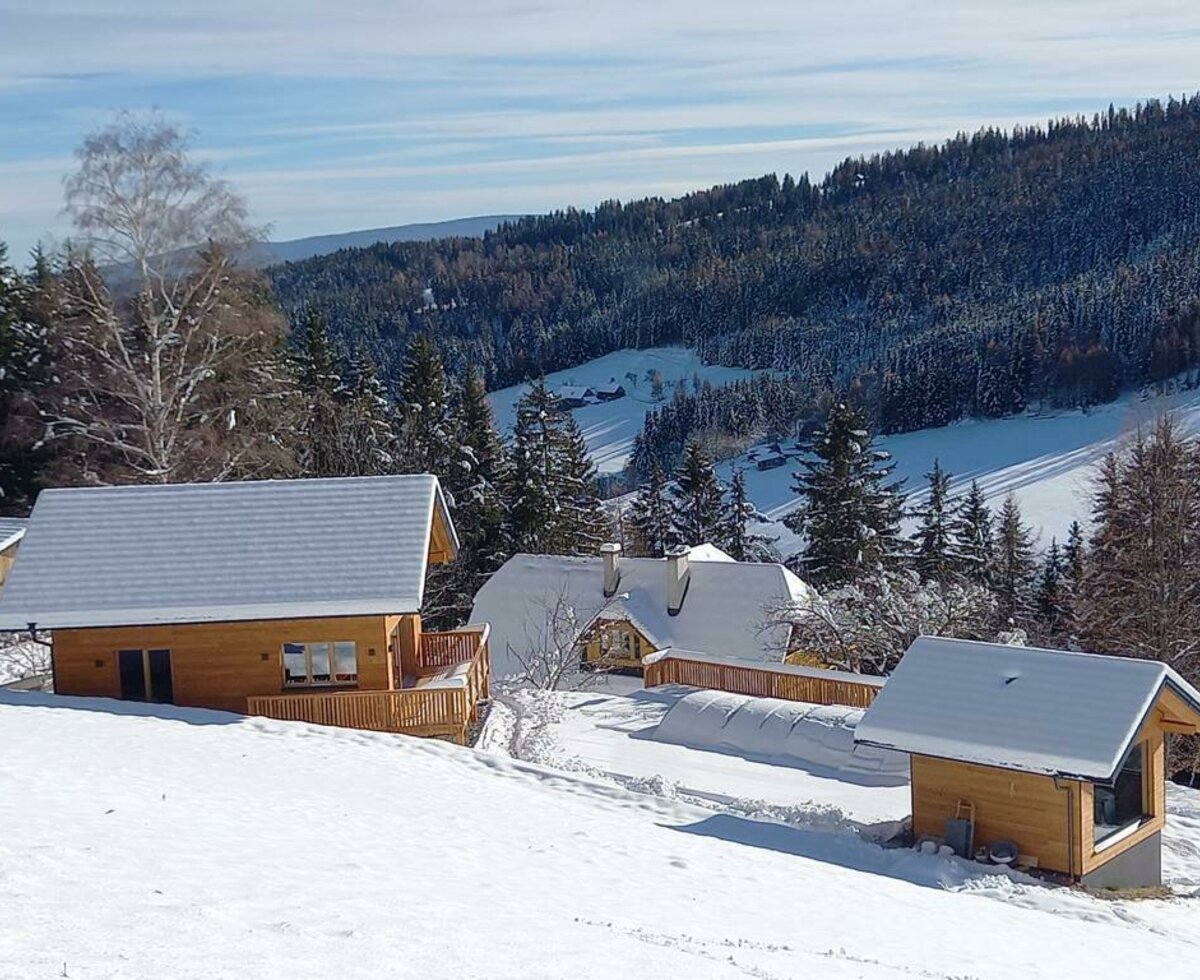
[(143, 841), (787, 733)]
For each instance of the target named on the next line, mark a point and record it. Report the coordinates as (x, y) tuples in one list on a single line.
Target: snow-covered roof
[(1042, 711), (609, 388), (724, 609), (177, 553), (575, 391), (12, 530)]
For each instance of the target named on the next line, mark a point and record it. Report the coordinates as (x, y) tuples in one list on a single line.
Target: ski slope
[(609, 427), (147, 841)]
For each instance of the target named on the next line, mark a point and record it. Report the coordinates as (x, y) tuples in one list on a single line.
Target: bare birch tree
[(165, 353), (555, 631)]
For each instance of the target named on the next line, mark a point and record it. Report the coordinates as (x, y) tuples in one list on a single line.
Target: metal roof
[(1044, 711), (114, 556)]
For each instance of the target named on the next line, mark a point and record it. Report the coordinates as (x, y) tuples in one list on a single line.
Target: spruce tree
[(736, 538), (483, 502), (935, 558), (554, 508), (974, 541), (427, 431), (22, 365), (850, 511), (1050, 593), (696, 509), (368, 432), (316, 369), (1015, 566), (650, 514)]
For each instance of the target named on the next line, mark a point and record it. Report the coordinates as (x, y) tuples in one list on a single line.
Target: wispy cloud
[(337, 113)]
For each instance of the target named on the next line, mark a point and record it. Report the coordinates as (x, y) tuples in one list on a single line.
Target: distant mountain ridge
[(298, 249)]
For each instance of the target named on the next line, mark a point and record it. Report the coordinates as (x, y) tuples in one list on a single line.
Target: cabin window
[(616, 643), (320, 664), (1122, 804)]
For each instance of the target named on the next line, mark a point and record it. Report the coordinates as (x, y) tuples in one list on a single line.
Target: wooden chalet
[(291, 599), (622, 609), (1059, 754)]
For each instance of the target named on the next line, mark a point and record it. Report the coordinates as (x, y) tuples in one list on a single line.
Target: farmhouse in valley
[(616, 610), (294, 599), (610, 391), (1058, 754), (575, 396), (12, 531)]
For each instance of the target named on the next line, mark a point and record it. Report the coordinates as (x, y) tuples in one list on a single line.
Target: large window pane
[(295, 665), (1122, 803), (345, 660), (318, 658)]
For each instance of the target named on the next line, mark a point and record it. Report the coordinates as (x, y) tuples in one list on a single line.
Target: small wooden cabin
[(1060, 754), (293, 599)]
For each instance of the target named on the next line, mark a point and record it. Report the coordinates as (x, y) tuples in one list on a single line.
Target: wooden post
[(409, 632)]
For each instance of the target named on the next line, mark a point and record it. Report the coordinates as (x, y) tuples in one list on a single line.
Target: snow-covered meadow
[(1045, 459), (150, 841), (609, 427)]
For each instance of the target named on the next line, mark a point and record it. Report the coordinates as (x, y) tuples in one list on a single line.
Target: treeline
[(1129, 587), (1046, 266)]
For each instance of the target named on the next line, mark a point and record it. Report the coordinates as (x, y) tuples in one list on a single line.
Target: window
[(1122, 804), (320, 664), (146, 675)]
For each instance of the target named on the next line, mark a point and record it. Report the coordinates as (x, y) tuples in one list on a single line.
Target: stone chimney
[(610, 554), (678, 575)]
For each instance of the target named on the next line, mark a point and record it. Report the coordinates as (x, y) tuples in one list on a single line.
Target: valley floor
[(144, 841)]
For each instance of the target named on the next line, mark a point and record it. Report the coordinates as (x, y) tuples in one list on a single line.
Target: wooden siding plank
[(759, 682)]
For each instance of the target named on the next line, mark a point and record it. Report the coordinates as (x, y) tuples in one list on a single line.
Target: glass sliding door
[(146, 676)]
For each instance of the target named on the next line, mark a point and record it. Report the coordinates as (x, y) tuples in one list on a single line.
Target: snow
[(1045, 460), (1043, 711), (725, 607), (148, 841), (609, 427), (179, 553), (819, 738)]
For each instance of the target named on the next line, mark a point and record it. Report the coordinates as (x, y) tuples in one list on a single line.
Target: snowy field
[(609, 427), (165, 842), (1046, 460)]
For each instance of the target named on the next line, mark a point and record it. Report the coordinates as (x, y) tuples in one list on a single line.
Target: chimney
[(678, 575), (611, 555)]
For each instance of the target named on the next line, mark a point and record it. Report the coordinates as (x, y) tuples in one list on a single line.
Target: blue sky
[(331, 116)]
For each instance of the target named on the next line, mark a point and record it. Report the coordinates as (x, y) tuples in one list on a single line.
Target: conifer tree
[(1050, 594), (736, 538), (650, 514), (22, 364), (367, 426), (935, 558), (696, 499), (974, 541), (554, 508), (483, 499), (1015, 566), (850, 512), (316, 368), (427, 431)]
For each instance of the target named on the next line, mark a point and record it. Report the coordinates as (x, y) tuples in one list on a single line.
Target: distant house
[(610, 392), (1059, 754), (771, 462), (294, 599), (575, 396), (626, 608), (12, 531)]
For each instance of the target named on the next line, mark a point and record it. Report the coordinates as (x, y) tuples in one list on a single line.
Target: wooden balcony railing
[(814, 685), (436, 650), (438, 706)]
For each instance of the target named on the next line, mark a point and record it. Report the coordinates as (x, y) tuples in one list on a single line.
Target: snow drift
[(789, 733)]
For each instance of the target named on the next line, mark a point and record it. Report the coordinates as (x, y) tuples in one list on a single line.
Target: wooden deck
[(791, 683), (440, 707)]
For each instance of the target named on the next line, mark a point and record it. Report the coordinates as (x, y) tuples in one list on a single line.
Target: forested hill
[(1055, 263)]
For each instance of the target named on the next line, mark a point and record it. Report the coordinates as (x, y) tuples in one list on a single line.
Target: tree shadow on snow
[(111, 706), (842, 850)]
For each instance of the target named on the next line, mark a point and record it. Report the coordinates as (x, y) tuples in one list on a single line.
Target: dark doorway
[(162, 683), (132, 667)]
